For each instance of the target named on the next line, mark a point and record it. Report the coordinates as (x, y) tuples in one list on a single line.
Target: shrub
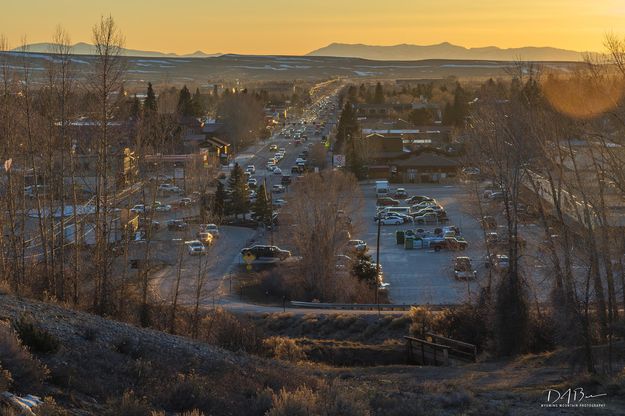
[(17, 364), (190, 392), (284, 348), (330, 400), (36, 339), (301, 402), (128, 405)]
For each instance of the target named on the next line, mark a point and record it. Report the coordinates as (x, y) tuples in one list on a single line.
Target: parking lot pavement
[(421, 275)]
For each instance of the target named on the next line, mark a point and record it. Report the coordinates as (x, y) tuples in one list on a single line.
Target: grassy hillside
[(89, 365)]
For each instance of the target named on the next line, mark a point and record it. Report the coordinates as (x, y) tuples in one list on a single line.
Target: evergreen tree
[(239, 201), (185, 105), (149, 104), (365, 270), (215, 91), (220, 200), (378, 97), (461, 106), (362, 92), (448, 115), (262, 206), (197, 104), (135, 108), (347, 127)]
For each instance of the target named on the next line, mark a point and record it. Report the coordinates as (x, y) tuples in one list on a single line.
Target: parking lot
[(419, 275)]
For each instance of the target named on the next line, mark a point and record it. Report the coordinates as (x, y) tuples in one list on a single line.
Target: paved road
[(224, 254)]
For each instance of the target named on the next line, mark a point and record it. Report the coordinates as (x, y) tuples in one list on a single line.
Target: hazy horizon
[(281, 27)]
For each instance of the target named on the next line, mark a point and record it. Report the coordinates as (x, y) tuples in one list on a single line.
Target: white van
[(396, 210)]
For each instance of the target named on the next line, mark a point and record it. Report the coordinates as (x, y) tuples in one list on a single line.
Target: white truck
[(382, 188)]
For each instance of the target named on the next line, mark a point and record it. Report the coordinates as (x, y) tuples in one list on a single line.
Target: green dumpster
[(399, 236), (409, 243)]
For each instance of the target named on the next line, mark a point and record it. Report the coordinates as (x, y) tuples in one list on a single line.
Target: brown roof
[(426, 160)]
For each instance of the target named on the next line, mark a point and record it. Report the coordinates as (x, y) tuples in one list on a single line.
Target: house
[(390, 159)]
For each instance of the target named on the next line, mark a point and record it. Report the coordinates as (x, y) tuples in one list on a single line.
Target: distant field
[(199, 71)]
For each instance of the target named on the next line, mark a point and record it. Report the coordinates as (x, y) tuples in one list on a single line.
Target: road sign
[(248, 258), (339, 161)]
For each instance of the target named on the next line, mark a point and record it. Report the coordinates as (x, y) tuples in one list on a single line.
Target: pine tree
[(347, 127), (185, 106), (262, 206), (239, 202), (448, 115), (220, 200), (215, 91), (135, 108), (461, 106), (378, 97), (150, 105), (365, 270), (197, 103)]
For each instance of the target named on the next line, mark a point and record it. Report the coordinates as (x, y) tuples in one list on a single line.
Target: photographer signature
[(576, 395)]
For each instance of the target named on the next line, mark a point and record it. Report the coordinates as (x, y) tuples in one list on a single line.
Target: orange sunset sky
[(297, 27)]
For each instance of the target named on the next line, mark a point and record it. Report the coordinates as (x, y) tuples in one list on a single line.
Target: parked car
[(252, 182), (251, 169), (177, 225), (273, 147), (168, 187), (418, 199), (357, 245), (266, 252), (185, 202), (205, 237), (277, 171), (139, 209), (427, 218), (387, 202), (286, 179), (497, 261), (424, 204), (160, 207), (279, 202), (195, 247), (449, 243), (400, 193), (277, 189), (463, 268), (213, 229), (391, 219)]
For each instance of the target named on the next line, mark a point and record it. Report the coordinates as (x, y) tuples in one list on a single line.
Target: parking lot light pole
[(377, 264)]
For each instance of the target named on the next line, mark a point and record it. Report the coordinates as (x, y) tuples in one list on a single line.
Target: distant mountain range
[(83, 48), (445, 50)]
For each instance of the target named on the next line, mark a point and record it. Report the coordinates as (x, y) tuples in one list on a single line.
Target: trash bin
[(399, 236), (409, 243)]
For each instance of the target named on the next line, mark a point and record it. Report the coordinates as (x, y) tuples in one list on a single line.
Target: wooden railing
[(438, 350), (425, 352), (458, 349)]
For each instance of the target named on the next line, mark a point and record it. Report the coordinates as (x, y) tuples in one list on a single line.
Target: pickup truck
[(450, 243)]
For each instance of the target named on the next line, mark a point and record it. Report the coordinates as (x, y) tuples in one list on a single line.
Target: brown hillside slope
[(99, 362)]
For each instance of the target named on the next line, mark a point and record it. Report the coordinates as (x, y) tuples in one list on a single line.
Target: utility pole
[(377, 263)]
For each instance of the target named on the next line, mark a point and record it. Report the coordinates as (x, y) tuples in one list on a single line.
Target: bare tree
[(107, 79), (319, 207)]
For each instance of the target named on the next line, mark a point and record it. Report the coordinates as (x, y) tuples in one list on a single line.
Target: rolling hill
[(445, 50), (83, 48)]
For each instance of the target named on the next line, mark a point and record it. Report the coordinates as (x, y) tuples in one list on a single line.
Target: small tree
[(378, 97), (262, 206), (185, 104), (149, 104), (239, 202), (220, 200), (365, 270)]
